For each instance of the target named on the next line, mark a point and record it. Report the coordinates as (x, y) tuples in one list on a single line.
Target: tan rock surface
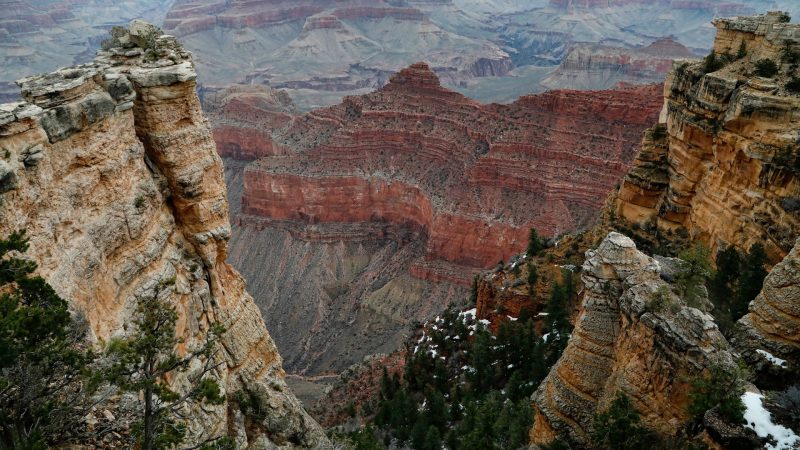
[(726, 169), (621, 343), (112, 170)]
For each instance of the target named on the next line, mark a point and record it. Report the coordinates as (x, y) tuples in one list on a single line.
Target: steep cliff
[(111, 168), (772, 326), (472, 178), (724, 166), (633, 335)]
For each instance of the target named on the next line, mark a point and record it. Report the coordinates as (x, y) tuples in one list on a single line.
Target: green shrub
[(659, 132), (661, 300), (722, 388), (712, 63), (766, 68), (620, 427), (742, 50), (785, 18), (793, 85)]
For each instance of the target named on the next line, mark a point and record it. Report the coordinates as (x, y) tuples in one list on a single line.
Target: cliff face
[(361, 218), (111, 169), (596, 66), (726, 168), (623, 343), (773, 323), (472, 178)]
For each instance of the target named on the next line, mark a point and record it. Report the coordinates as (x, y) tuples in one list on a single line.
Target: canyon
[(111, 169), (358, 219)]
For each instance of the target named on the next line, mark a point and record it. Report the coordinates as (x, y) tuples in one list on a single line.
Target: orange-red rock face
[(473, 177), (242, 117)]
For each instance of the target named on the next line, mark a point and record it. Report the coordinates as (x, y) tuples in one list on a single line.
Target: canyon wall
[(357, 220), (473, 178), (724, 166), (597, 66), (111, 169)]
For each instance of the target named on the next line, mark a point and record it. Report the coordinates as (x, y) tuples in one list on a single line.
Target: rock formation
[(41, 35), (478, 178), (243, 117), (111, 169), (597, 66), (379, 211), (773, 325), (724, 166), (633, 335)]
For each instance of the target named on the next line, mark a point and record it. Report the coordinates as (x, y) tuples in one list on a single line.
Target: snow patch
[(772, 358), (759, 420)]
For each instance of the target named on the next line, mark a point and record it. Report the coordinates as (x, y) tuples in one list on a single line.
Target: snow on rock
[(759, 420), (772, 358)]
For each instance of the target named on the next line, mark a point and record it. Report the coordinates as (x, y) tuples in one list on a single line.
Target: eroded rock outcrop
[(242, 118), (633, 335), (111, 169), (772, 328), (725, 166)]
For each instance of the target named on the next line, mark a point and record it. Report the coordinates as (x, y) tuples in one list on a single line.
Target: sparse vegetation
[(742, 50), (43, 378), (721, 388), (620, 428), (766, 68), (712, 63), (535, 243), (143, 361), (693, 276), (793, 85), (784, 18)]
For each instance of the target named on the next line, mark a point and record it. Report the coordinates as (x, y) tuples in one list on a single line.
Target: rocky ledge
[(724, 163), (111, 169)]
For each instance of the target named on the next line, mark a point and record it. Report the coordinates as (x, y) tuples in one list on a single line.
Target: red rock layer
[(473, 177), (242, 117)]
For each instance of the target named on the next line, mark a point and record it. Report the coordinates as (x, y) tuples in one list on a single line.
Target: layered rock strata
[(472, 178), (724, 166), (111, 169), (634, 336), (322, 50), (242, 118), (597, 66)]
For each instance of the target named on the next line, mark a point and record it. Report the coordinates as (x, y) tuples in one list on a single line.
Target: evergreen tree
[(620, 427), (535, 243), (751, 280), (722, 287), (695, 273), (144, 361), (42, 394)]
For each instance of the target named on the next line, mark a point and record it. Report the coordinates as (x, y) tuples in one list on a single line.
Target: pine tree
[(41, 364), (533, 277), (535, 243), (144, 361), (620, 427)]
